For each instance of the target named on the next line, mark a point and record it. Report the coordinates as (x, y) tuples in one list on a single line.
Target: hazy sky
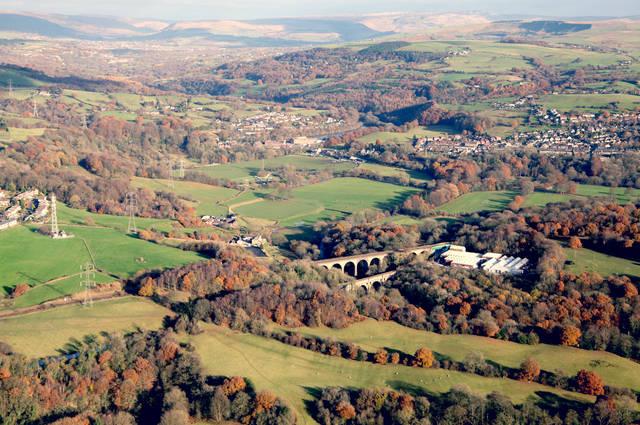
[(253, 9)]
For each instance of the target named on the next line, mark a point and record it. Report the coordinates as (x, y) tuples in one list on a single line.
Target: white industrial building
[(458, 256)]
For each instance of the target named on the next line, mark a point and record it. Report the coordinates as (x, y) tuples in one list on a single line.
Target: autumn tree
[(346, 410), (570, 336), (589, 382), (529, 370), (146, 289), (424, 357), (574, 242), (381, 356)]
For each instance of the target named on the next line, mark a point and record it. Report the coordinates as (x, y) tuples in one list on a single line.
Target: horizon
[(252, 10)]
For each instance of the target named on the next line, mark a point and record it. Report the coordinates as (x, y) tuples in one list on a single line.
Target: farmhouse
[(247, 241), (305, 141)]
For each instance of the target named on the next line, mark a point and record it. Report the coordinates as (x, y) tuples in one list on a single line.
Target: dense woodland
[(458, 406), (141, 378)]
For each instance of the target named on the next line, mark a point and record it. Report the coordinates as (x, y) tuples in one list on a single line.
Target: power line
[(88, 281), (35, 108), (132, 206)]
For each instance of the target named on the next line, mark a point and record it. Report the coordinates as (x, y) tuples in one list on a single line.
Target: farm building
[(458, 256)]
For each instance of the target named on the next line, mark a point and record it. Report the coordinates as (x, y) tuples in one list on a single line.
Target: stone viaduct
[(359, 265)]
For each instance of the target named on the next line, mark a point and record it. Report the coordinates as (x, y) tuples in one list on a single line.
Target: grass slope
[(372, 335), (28, 257), (43, 333), (205, 196), (57, 289), (116, 252), (295, 373), (583, 259), (478, 201), (240, 171)]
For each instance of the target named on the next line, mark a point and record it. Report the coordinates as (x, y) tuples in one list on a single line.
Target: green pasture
[(16, 134), (44, 333), (385, 170), (295, 373), (124, 255), (589, 102), (240, 171), (205, 197), (407, 136), (50, 291), (478, 201), (373, 335), (582, 260), (31, 258)]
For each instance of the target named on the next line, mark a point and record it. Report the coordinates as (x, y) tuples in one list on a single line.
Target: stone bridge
[(359, 265), (369, 282)]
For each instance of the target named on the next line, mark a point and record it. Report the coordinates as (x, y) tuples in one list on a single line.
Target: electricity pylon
[(181, 169), (88, 281), (132, 206), (54, 217)]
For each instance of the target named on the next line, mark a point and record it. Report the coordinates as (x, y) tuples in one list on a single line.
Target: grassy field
[(583, 259), (385, 170), (68, 215), (478, 201), (372, 335), (57, 289), (117, 252), (406, 137), (295, 373), (337, 197), (240, 171), (204, 197), (589, 102), (28, 257), (43, 333), (32, 258), (623, 195), (22, 134)]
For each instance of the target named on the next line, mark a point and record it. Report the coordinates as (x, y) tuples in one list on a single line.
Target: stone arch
[(350, 268), (376, 262), (376, 285), (337, 266), (364, 288), (362, 268)]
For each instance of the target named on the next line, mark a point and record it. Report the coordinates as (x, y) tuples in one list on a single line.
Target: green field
[(32, 258), (116, 252), (478, 201), (50, 291), (336, 197), (295, 373), (623, 195), (583, 259), (68, 215), (589, 102), (28, 257), (240, 171), (385, 170), (43, 333), (407, 136), (372, 335), (22, 134), (206, 197)]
